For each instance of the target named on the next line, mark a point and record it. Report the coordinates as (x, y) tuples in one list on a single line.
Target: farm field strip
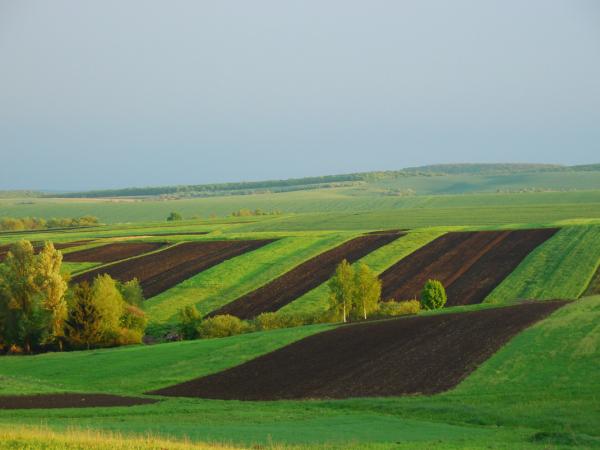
[(231, 279), (469, 264), (304, 277), (317, 300), (112, 252), (69, 400), (562, 267), (413, 355), (161, 270)]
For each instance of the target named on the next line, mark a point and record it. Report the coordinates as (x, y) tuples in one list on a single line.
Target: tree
[(109, 303), (433, 295), (341, 290), (174, 217), (32, 296), (132, 292), (367, 291), (189, 320), (84, 323), (52, 286)]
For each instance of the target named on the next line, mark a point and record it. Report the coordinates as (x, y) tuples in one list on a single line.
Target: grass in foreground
[(539, 391)]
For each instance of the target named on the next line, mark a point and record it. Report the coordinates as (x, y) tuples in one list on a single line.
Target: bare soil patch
[(112, 252), (162, 270), (469, 264), (69, 400), (37, 245), (411, 355), (303, 278)]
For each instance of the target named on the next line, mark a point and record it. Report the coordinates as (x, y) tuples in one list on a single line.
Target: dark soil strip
[(4, 249), (160, 271), (303, 278), (112, 252), (469, 264), (413, 355), (51, 401)]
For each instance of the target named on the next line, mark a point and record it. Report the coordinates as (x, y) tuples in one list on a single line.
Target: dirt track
[(469, 264), (112, 252), (412, 355), (160, 271), (304, 277), (51, 401)]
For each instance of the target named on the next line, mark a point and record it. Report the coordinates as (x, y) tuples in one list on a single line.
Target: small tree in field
[(341, 290), (367, 291), (174, 217), (433, 295)]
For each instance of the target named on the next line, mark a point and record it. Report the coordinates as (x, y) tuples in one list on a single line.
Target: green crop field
[(562, 267)]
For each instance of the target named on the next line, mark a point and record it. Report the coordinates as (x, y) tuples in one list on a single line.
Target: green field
[(562, 267), (541, 390), (493, 407)]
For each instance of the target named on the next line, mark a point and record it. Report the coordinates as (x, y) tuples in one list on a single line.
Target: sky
[(119, 93)]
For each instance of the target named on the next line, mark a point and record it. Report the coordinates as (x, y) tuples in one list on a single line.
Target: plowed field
[(412, 355), (38, 245), (160, 271), (304, 277), (112, 252), (47, 401), (469, 264)]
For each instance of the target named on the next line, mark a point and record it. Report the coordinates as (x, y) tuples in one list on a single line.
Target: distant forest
[(322, 182)]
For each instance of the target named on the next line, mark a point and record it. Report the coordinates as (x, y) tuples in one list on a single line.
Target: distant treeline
[(329, 181), (217, 187), (37, 223)]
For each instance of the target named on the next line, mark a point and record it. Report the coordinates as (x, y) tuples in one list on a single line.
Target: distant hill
[(328, 181)]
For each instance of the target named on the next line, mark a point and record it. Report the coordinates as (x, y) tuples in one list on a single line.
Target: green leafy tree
[(52, 286), (433, 295), (132, 292), (83, 327), (341, 290), (366, 292), (32, 297), (189, 321), (109, 303), (174, 217)]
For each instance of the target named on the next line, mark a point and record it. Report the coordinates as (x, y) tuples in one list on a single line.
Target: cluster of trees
[(354, 294), (38, 310), (244, 212), (37, 223)]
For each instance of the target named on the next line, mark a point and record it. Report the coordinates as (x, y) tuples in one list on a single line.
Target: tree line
[(38, 223), (39, 311)]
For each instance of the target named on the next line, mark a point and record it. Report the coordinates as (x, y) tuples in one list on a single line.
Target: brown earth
[(112, 252), (304, 277), (469, 264), (48, 401), (411, 355), (4, 249), (160, 271)]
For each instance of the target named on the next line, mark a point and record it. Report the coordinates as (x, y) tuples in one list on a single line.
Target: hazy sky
[(122, 93)]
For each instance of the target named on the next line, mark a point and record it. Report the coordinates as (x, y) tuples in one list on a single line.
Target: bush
[(433, 295), (222, 326), (126, 336), (189, 321), (134, 318), (393, 308), (132, 292)]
